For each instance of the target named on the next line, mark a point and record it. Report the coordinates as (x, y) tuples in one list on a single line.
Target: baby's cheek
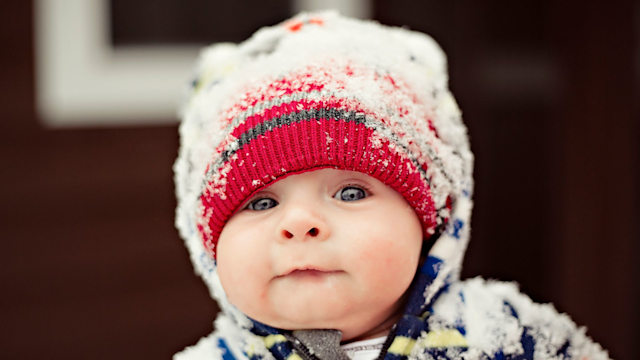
[(378, 263), (392, 265), (245, 290), (231, 273)]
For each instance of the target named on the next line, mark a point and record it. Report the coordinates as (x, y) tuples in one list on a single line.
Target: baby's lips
[(308, 270)]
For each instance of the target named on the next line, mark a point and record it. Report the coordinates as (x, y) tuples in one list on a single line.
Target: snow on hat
[(319, 91)]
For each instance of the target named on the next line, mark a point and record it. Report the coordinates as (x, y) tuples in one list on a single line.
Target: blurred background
[(92, 267)]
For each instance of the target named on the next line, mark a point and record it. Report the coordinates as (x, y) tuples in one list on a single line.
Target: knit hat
[(320, 91)]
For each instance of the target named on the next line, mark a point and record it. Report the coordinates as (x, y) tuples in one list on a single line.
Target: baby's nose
[(313, 232), (301, 224)]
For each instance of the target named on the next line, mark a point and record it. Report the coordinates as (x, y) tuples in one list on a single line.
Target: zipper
[(305, 354), (301, 348)]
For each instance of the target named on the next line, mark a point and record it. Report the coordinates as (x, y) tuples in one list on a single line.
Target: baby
[(324, 191)]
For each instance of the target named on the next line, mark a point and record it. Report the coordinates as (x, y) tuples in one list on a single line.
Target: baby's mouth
[(308, 272)]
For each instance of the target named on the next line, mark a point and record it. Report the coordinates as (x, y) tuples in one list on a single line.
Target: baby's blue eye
[(351, 193), (262, 204)]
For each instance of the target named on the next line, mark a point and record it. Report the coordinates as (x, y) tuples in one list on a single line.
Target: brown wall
[(92, 266)]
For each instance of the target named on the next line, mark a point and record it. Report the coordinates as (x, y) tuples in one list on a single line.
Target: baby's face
[(325, 249)]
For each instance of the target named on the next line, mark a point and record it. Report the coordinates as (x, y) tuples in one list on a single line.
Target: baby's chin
[(310, 312), (324, 313)]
